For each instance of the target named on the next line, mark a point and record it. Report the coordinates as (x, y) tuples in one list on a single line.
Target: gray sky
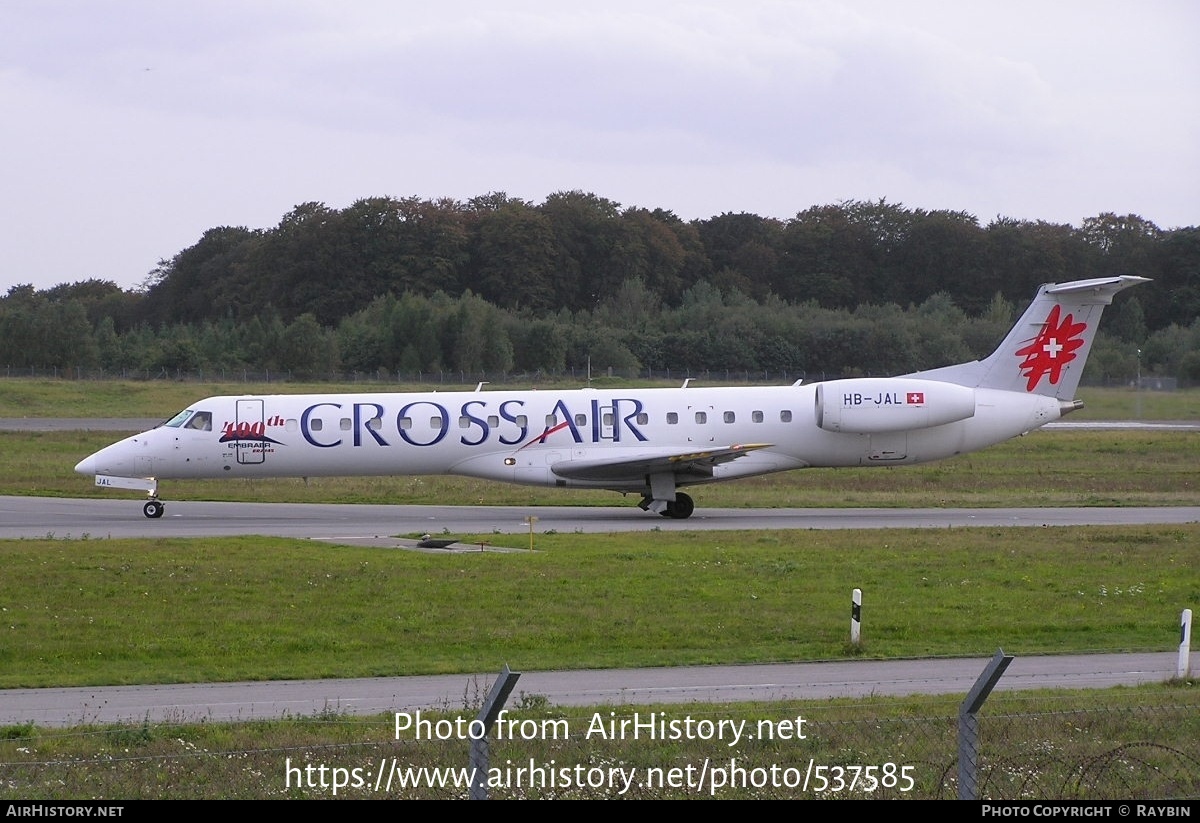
[(130, 127)]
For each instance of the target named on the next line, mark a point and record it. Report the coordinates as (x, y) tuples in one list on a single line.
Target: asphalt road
[(29, 517), (615, 687)]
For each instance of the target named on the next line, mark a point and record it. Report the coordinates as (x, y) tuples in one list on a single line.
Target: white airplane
[(650, 442)]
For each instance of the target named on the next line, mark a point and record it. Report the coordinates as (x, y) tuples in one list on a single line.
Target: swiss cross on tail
[(1053, 348)]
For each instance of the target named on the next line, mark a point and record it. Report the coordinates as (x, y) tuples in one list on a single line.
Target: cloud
[(141, 124)]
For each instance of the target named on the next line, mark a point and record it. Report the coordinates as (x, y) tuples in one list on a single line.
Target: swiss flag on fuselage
[(915, 398)]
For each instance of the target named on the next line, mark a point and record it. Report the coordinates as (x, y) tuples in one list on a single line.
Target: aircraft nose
[(87, 465)]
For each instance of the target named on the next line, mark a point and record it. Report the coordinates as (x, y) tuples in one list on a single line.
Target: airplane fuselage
[(539, 437)]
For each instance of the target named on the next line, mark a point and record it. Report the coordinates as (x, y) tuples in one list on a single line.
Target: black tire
[(153, 509), (681, 508)]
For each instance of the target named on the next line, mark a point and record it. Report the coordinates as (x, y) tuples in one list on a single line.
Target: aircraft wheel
[(153, 509), (681, 509)]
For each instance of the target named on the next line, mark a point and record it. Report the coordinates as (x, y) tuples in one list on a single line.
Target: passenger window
[(729, 417), (581, 420), (785, 416), (406, 422), (551, 421), (435, 422), (344, 423), (493, 420), (672, 418), (757, 417), (292, 425), (316, 424), (375, 424), (643, 419), (701, 417), (522, 420), (608, 419)]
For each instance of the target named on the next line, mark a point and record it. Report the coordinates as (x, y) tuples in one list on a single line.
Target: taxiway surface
[(33, 517)]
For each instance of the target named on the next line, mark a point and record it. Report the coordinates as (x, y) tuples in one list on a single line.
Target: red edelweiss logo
[(1053, 348)]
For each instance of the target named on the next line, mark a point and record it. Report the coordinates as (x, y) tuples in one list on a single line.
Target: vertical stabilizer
[(1046, 350)]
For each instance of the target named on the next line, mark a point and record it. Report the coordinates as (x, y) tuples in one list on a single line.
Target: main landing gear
[(680, 508), (154, 508)]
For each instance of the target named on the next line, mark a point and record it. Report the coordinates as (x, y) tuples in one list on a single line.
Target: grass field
[(88, 612)]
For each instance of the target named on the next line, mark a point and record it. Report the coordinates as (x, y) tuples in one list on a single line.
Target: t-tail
[(1046, 350)]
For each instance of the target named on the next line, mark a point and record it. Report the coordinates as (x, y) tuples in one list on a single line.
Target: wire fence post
[(968, 725), (480, 750)]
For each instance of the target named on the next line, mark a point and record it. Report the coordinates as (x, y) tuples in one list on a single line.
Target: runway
[(35, 517)]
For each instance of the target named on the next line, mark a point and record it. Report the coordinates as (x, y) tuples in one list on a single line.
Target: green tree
[(944, 247), (298, 267), (648, 248), (20, 332), (1128, 322), (515, 258), (742, 251), (539, 344), (1175, 297), (586, 229), (205, 280), (306, 349)]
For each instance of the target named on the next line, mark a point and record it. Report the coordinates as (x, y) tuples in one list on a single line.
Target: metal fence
[(1126, 744)]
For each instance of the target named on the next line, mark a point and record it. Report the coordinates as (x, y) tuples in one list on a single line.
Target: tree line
[(497, 284)]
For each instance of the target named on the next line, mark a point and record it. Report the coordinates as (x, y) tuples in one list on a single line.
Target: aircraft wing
[(696, 464)]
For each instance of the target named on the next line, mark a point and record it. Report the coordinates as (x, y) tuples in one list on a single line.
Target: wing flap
[(697, 463)]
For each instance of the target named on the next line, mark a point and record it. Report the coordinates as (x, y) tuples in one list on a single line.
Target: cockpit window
[(177, 421), (201, 420)]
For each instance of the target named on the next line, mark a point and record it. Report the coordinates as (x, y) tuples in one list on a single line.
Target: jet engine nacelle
[(871, 405)]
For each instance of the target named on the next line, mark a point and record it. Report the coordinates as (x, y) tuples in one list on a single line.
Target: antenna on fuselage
[(686, 380), (480, 385)]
